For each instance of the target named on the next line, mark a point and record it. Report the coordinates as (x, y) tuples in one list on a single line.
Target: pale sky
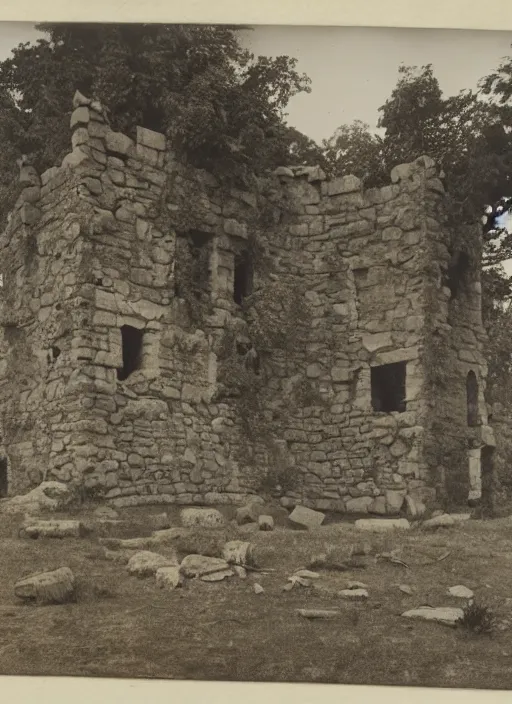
[(353, 69)]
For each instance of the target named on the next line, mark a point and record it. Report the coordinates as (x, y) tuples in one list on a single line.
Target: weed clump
[(477, 618)]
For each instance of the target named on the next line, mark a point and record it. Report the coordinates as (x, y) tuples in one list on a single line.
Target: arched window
[(472, 398)]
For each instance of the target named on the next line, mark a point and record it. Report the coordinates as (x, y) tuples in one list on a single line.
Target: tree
[(354, 149), (220, 106)]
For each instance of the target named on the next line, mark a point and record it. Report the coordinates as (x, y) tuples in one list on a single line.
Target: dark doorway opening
[(472, 398), (242, 283), (487, 475), (4, 485), (388, 387), (132, 351)]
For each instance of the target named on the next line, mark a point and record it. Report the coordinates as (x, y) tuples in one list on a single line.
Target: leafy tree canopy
[(220, 106)]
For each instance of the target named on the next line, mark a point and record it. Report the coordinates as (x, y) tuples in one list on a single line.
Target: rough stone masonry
[(127, 277)]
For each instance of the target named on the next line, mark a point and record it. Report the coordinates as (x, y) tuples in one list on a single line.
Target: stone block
[(52, 529), (118, 143), (443, 521), (447, 615), (53, 587), (307, 517), (266, 523), (382, 525), (200, 565), (146, 563), (151, 139), (80, 116), (168, 577), (394, 501), (344, 184), (203, 517), (361, 504)]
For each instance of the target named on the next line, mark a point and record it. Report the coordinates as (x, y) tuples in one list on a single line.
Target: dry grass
[(127, 627)]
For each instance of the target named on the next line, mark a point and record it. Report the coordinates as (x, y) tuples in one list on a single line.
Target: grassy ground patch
[(121, 626)]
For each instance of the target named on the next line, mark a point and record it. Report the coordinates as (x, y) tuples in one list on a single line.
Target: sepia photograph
[(255, 364)]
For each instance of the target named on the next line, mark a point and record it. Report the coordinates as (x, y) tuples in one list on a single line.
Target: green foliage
[(221, 107), (277, 315), (353, 149)]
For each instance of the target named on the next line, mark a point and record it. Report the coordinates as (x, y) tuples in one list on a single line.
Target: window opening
[(388, 387), (242, 283), (131, 340)]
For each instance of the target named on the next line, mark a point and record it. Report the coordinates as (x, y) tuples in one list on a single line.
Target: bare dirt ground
[(122, 626)]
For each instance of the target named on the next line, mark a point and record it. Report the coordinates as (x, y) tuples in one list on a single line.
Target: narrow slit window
[(388, 388), (472, 398), (4, 487), (131, 340), (457, 274), (242, 283)]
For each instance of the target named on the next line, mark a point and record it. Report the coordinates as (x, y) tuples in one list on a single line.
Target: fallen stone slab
[(201, 565), (318, 613), (146, 563), (266, 523), (168, 577), (52, 529), (354, 594), (307, 574), (258, 589), (203, 517), (127, 543), (442, 521), (238, 552), (446, 615), (357, 585), (217, 576), (48, 496), (53, 587), (306, 517), (405, 589), (381, 525), (461, 592)]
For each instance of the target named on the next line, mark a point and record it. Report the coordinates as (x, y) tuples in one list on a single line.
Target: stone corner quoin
[(123, 275)]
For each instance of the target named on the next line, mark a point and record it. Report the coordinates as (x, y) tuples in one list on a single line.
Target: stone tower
[(128, 319)]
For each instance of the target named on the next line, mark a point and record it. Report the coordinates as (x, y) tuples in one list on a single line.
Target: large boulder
[(48, 496), (53, 587)]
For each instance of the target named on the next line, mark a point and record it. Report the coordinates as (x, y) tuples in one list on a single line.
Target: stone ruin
[(126, 323)]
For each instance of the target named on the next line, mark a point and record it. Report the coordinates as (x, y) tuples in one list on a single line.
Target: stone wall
[(128, 323)]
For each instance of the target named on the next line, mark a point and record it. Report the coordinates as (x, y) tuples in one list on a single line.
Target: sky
[(353, 69)]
